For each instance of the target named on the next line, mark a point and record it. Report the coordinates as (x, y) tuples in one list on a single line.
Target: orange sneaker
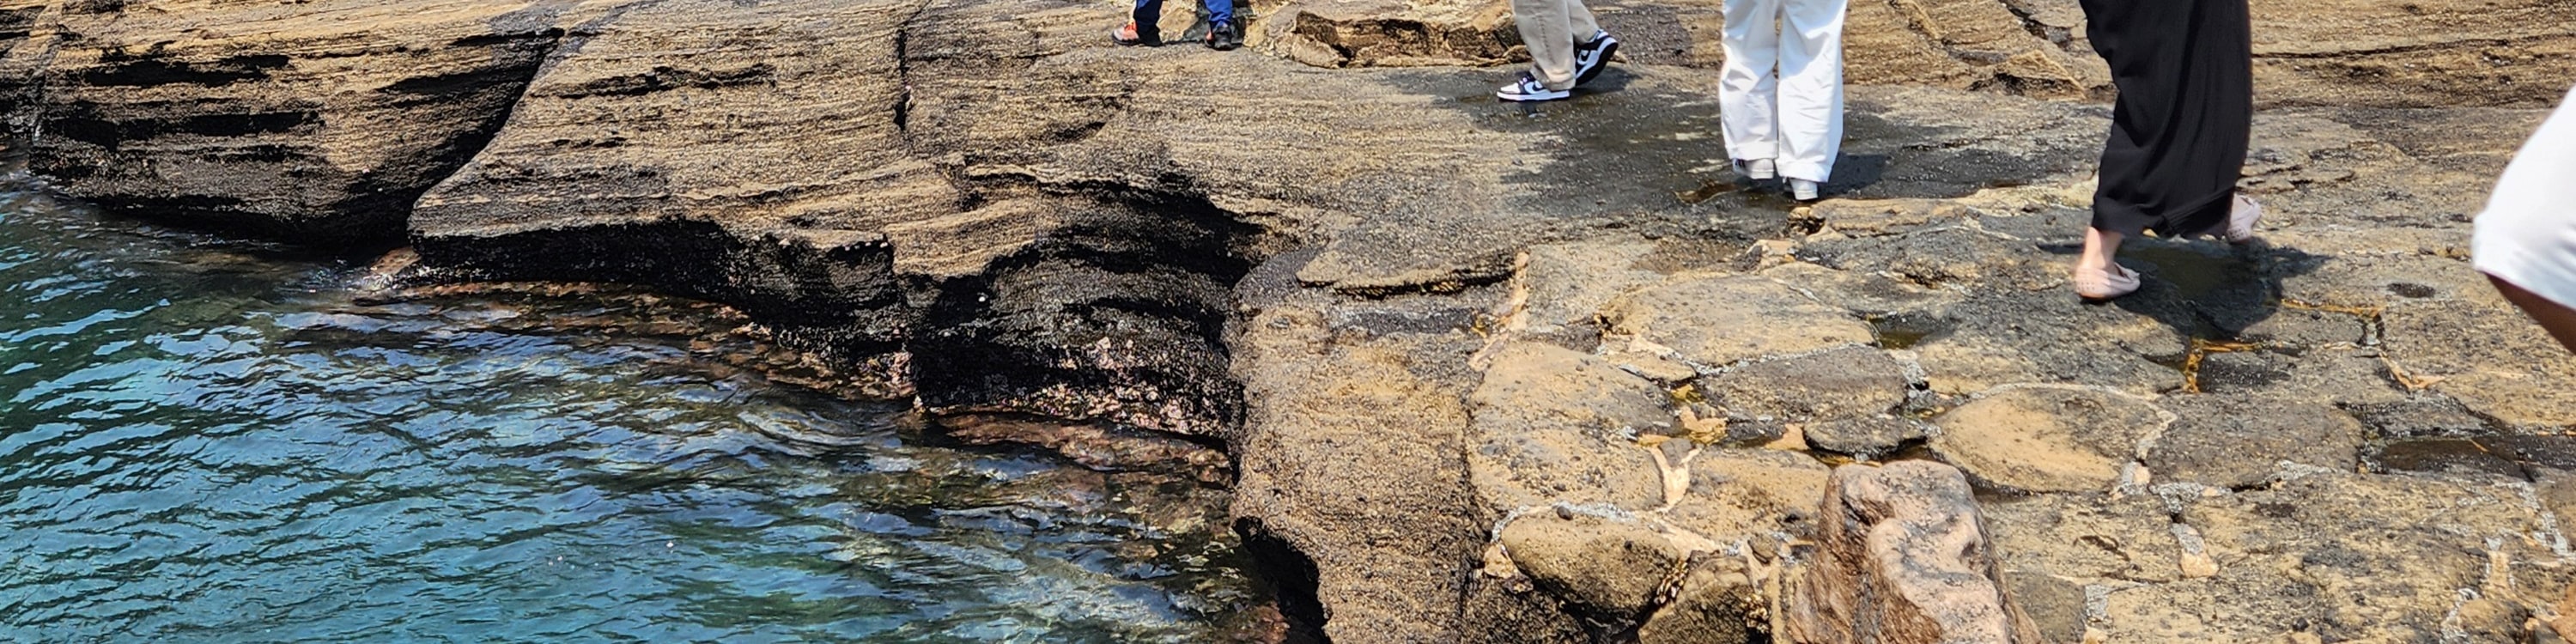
[(1130, 36)]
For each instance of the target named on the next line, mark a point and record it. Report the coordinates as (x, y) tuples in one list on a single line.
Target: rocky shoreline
[(1480, 372)]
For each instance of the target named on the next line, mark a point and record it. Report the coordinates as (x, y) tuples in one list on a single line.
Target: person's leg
[(1148, 17), (2559, 320), (1222, 35), (2101, 248), (1579, 22), (1811, 88), (1747, 92), (2098, 275), (1547, 29), (1593, 46)]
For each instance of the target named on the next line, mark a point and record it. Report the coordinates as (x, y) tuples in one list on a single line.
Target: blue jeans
[(1149, 12)]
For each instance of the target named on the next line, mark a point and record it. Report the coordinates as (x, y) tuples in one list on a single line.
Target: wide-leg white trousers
[(1782, 95)]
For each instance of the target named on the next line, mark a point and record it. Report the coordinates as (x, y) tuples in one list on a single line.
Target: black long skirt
[(2185, 71)]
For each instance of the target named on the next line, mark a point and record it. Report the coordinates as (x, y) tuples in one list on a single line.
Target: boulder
[(1610, 566), (1902, 556)]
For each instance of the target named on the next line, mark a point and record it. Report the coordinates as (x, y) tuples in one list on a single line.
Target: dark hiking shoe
[(1592, 57), (1224, 37), (1130, 36)]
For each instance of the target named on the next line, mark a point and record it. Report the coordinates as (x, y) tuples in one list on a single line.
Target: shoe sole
[(1595, 72), (1533, 98)]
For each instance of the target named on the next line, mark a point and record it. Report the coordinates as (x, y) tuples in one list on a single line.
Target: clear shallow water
[(199, 443)]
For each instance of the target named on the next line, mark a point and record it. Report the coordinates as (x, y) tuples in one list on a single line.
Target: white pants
[(2527, 236), (1794, 118)]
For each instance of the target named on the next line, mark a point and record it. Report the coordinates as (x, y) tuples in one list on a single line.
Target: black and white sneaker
[(1592, 57), (1528, 88)]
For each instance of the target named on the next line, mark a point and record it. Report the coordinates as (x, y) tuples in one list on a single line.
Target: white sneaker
[(1802, 190), (1761, 170), (1529, 89), (1591, 57)]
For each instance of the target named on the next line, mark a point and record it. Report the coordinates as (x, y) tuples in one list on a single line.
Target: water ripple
[(199, 444)]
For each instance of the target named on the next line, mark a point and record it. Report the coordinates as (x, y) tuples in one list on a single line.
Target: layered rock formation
[(2307, 52), (1476, 371)]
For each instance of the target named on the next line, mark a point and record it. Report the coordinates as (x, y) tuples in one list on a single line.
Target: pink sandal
[(2098, 285), (2240, 221)]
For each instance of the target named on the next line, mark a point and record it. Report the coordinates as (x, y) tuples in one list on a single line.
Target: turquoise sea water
[(200, 442)]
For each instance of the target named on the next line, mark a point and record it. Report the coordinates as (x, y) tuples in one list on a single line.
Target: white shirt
[(2527, 236)]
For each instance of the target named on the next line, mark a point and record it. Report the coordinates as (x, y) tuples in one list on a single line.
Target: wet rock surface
[(1481, 371)]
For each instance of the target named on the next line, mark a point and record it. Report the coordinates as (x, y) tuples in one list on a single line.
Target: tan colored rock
[(2497, 364), (1546, 384), (2046, 439), (1718, 321), (1391, 33), (1352, 462), (1756, 495), (2084, 536), (1841, 397), (1847, 382), (2239, 441), (2357, 52), (2242, 606), (1560, 288), (2565, 625), (1553, 425), (1612, 566), (2358, 557), (1866, 293), (1902, 557)]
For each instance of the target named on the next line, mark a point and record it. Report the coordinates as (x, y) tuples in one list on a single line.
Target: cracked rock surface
[(1481, 372)]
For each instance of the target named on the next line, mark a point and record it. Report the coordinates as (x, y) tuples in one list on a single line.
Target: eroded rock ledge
[(1479, 372)]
